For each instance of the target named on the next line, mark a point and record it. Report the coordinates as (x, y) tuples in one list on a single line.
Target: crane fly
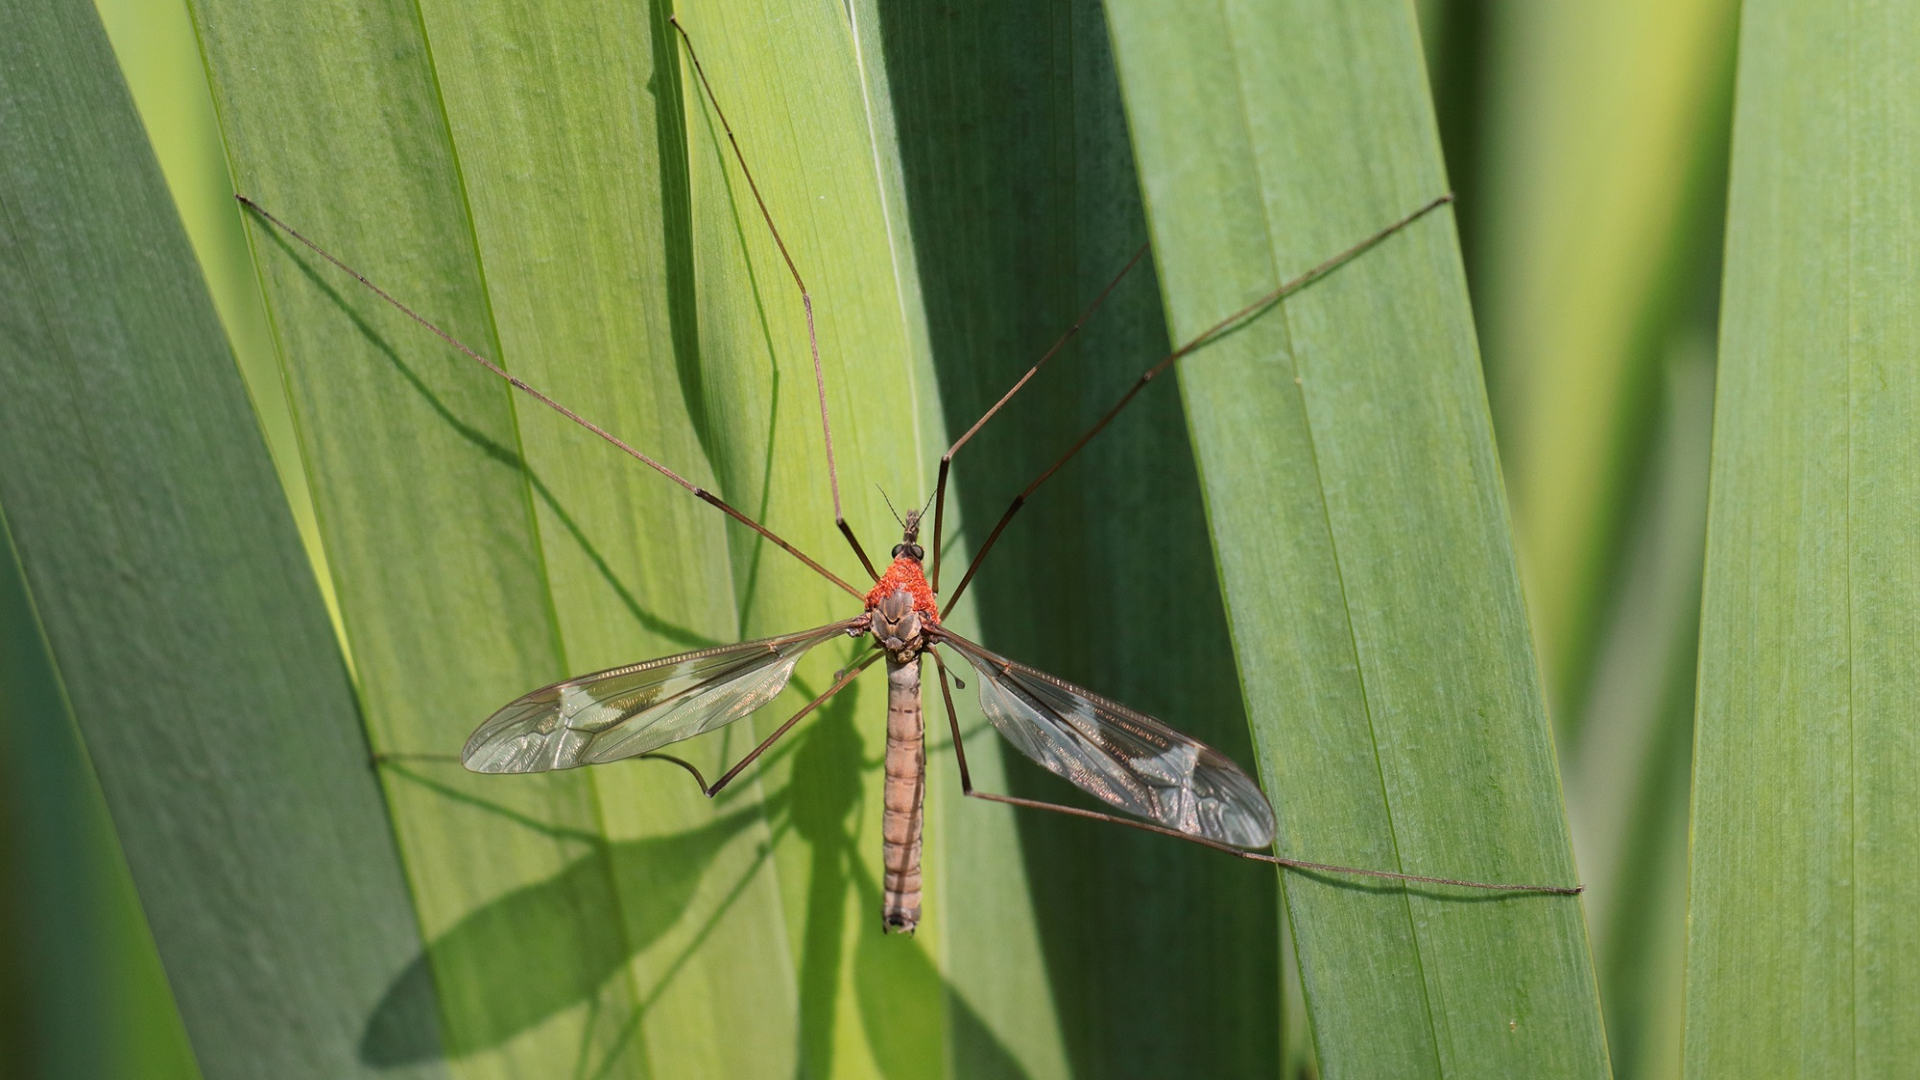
[(1166, 782)]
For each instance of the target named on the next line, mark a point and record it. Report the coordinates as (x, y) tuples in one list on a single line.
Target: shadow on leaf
[(906, 1007), (543, 948)]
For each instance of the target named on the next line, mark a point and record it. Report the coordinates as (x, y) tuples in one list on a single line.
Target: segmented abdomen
[(906, 793)]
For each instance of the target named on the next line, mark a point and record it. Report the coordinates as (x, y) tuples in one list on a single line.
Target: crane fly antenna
[(1224, 326), (806, 300), (521, 385), (939, 500), (889, 502)]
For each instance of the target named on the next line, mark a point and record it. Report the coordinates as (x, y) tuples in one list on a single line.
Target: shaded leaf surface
[(1024, 204)]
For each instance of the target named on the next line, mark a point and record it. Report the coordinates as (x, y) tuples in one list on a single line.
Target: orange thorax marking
[(905, 574)]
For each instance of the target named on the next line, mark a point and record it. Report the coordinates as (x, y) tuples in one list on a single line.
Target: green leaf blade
[(445, 510), (807, 94), (179, 615), (1382, 640), (1025, 204), (1805, 830), (583, 235)]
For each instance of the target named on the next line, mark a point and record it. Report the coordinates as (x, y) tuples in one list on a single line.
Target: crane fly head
[(910, 525), (908, 545)]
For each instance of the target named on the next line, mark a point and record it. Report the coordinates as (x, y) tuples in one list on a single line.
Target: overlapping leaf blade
[(461, 150), (176, 618), (546, 186)]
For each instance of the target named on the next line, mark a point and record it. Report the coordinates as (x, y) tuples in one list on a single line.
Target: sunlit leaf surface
[(546, 186)]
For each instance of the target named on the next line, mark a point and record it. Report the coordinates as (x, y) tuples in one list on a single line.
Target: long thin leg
[(806, 301), (966, 787), (839, 684), (521, 385), (1231, 322), (946, 459)]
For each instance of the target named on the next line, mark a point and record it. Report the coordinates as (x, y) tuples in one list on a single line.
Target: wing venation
[(627, 711), (1118, 755)]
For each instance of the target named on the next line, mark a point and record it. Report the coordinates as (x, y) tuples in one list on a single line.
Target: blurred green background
[(1588, 143)]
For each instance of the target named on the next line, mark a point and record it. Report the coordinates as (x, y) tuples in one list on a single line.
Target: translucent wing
[(630, 710), (1120, 756)]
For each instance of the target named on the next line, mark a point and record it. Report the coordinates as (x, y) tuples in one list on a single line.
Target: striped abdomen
[(906, 793)]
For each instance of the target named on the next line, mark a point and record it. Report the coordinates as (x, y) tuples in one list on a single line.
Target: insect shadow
[(520, 953), (551, 945), (561, 943)]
